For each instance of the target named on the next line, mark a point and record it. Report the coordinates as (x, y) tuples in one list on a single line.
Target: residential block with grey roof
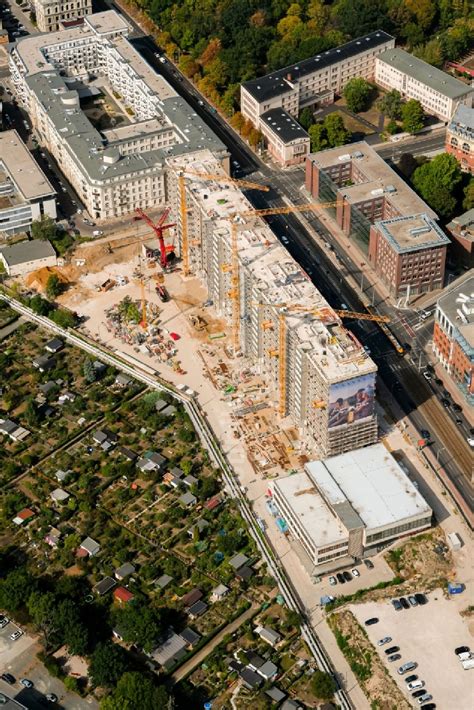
[(345, 507), (117, 169), (438, 92), (269, 101)]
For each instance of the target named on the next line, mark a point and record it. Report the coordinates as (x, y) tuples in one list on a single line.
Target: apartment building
[(453, 336), (409, 254), (460, 137), (287, 142), (115, 170), (316, 369), (25, 192), (314, 81), (347, 507), (365, 192), (439, 93), (51, 14)]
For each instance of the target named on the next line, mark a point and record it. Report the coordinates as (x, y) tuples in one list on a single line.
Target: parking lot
[(427, 635), (19, 658)]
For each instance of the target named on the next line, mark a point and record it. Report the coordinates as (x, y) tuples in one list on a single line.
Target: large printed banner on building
[(352, 400)]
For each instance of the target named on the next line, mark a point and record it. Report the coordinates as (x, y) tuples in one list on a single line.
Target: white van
[(467, 665), (415, 684), (97, 233)]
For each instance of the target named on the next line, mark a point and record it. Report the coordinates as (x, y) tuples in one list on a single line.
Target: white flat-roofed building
[(115, 170), (438, 92), (324, 362), (344, 507), (287, 142), (25, 192), (313, 81), (23, 257)]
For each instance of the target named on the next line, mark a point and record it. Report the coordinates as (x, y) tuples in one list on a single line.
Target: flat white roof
[(17, 162), (307, 505), (373, 483)]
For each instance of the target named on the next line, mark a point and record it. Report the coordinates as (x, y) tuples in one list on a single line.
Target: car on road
[(162, 60), (396, 605), (411, 678), (427, 375), (421, 598), (355, 572), (408, 666), (16, 635), (369, 564), (470, 441), (438, 381), (395, 657), (370, 622), (200, 102), (347, 576), (97, 233), (425, 434), (424, 314), (8, 678), (52, 698), (332, 581), (382, 642), (392, 649), (459, 421), (412, 600), (446, 403), (26, 683), (404, 603), (457, 407)]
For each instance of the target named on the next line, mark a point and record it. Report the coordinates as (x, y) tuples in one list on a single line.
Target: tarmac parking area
[(427, 635)]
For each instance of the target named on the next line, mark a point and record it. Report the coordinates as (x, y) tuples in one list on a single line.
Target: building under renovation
[(318, 371)]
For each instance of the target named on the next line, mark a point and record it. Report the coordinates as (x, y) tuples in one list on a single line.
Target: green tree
[(468, 202), (135, 690), (306, 118), (41, 607), (391, 104), (357, 93), (431, 52), (407, 165), (43, 228), (64, 318), (337, 133), (54, 286), (140, 625), (40, 306), (412, 116), (437, 180), (89, 371), (32, 417), (70, 627), (323, 685), (15, 589), (108, 664), (318, 137)]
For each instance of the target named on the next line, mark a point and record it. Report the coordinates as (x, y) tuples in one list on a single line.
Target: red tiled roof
[(25, 514), (123, 595)]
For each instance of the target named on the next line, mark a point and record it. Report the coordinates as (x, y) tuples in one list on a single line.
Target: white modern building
[(318, 372), (23, 257), (345, 507), (439, 93), (117, 169), (25, 192), (315, 81), (287, 141), (51, 14)]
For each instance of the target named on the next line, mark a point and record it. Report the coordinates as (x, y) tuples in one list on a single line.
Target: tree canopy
[(412, 116), (329, 134), (357, 93), (43, 228), (134, 690), (323, 685), (108, 664), (437, 182), (140, 625)]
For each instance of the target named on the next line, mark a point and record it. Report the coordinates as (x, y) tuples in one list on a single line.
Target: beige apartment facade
[(50, 14)]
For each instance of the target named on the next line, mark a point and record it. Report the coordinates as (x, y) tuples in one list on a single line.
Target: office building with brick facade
[(461, 230)]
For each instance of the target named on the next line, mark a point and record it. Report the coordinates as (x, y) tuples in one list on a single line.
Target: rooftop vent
[(390, 188), (417, 231)]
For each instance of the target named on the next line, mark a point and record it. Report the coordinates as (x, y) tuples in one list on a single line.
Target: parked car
[(369, 564), (396, 605), (370, 622), (8, 678), (428, 706), (26, 683), (4, 621), (355, 572), (418, 693), (408, 666), (457, 407), (410, 678), (347, 576), (392, 649), (412, 600), (416, 684), (175, 336), (340, 578), (332, 581), (421, 598), (52, 698), (424, 698), (16, 635), (97, 233), (404, 603), (382, 642), (425, 434), (461, 649), (395, 657)]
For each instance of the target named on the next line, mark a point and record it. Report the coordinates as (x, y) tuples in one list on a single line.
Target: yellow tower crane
[(321, 313), (187, 173)]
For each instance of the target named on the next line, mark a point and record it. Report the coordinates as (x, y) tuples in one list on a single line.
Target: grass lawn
[(355, 126)]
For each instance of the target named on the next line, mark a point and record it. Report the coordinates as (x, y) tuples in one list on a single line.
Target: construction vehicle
[(166, 252), (162, 293)]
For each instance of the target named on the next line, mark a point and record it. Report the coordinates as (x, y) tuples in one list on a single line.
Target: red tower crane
[(159, 229)]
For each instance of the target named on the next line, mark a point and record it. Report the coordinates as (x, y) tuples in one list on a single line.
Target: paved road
[(199, 657)]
